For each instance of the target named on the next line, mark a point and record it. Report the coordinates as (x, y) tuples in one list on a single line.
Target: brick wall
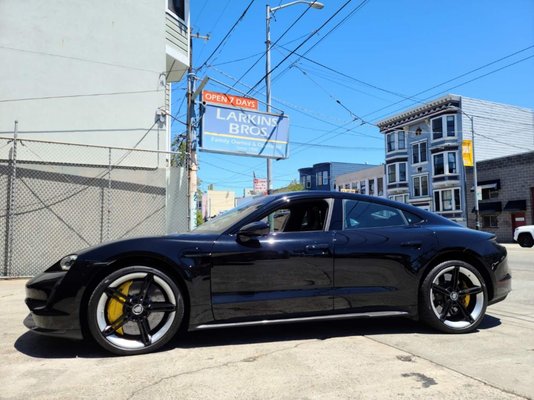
[(516, 174)]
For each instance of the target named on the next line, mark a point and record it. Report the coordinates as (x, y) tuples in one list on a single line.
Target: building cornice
[(426, 110)]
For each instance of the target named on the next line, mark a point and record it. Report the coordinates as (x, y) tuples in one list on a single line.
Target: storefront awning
[(516, 205), (494, 184), (489, 208)]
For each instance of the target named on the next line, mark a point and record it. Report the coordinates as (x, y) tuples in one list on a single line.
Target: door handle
[(414, 243), (319, 246), (317, 249)]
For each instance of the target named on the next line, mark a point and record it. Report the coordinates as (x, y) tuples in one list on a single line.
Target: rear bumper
[(503, 280)]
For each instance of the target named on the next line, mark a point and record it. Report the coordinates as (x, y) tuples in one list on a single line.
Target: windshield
[(224, 221)]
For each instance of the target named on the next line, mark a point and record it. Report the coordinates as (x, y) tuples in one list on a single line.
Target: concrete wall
[(81, 72)]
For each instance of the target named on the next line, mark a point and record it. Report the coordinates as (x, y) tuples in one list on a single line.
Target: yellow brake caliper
[(467, 297), (115, 308)]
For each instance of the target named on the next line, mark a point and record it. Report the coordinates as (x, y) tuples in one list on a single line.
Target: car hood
[(168, 245)]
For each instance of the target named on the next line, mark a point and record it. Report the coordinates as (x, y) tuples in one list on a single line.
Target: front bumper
[(54, 306)]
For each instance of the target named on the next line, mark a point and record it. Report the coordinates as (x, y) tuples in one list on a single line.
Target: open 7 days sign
[(244, 132)]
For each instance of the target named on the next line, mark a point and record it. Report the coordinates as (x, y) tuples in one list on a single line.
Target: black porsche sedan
[(278, 259)]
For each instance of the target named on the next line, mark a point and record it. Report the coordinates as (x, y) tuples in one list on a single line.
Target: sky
[(364, 60)]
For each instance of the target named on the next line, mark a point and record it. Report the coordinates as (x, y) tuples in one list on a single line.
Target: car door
[(288, 271), (378, 252)]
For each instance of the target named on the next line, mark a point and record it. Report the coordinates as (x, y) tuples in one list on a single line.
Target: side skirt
[(373, 314)]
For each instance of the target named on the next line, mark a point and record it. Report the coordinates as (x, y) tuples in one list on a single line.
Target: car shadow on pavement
[(38, 346)]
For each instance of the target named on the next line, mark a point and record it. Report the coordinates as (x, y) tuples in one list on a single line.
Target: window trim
[(446, 171), (397, 174), (419, 176), (418, 144), (444, 132), (395, 135), (453, 200)]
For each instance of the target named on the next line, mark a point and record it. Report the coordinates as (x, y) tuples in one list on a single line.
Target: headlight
[(67, 262)]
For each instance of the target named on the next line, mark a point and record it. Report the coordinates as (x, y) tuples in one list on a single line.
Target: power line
[(78, 95), (222, 42), (451, 80), (349, 15), (300, 45), (263, 54), (80, 59)]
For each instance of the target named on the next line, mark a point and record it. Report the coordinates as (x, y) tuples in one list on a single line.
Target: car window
[(412, 218), (299, 217), (363, 214)]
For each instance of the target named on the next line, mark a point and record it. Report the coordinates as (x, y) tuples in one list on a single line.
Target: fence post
[(108, 217), (11, 205)]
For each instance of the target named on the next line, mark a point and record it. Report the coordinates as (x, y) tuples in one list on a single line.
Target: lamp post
[(475, 177), (269, 13)]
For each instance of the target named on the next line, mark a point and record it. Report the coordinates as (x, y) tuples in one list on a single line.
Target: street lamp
[(475, 178), (269, 13)]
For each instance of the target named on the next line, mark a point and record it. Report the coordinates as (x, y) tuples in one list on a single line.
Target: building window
[(419, 153), (401, 140), (490, 221), (177, 7), (447, 200), (451, 126), (420, 185), (371, 187), (437, 128), (363, 189), (308, 181), (325, 178), (489, 193), (447, 121), (402, 198), (380, 184), (396, 141), (397, 172), (445, 163), (318, 178)]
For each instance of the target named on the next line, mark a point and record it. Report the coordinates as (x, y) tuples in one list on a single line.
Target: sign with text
[(467, 152), (260, 185), (243, 132), (229, 100)]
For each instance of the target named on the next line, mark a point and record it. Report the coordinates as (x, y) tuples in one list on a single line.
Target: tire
[(525, 240), (453, 298), (135, 310)]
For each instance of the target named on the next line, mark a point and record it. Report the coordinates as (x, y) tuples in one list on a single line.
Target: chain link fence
[(56, 198)]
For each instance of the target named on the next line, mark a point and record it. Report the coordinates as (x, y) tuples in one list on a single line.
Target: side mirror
[(252, 231)]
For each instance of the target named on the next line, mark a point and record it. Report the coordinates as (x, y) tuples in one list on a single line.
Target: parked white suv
[(524, 235)]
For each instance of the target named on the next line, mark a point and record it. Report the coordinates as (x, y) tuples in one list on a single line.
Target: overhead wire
[(300, 45), (224, 39)]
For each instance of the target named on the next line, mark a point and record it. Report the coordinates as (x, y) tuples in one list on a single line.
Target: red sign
[(229, 100)]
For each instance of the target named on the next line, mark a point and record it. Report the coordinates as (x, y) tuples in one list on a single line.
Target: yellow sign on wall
[(467, 152)]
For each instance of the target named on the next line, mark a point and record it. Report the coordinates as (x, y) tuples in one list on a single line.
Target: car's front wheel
[(525, 240), (135, 310), (454, 297)]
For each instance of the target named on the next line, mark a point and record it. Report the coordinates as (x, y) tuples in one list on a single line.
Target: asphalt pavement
[(358, 359)]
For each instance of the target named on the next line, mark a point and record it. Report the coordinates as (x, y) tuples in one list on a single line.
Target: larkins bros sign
[(244, 132)]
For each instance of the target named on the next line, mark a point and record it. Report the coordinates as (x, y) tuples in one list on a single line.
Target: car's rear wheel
[(525, 240), (135, 310), (453, 297)]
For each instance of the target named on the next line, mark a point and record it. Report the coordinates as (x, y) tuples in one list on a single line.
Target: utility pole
[(191, 156), (475, 177), (269, 12)]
